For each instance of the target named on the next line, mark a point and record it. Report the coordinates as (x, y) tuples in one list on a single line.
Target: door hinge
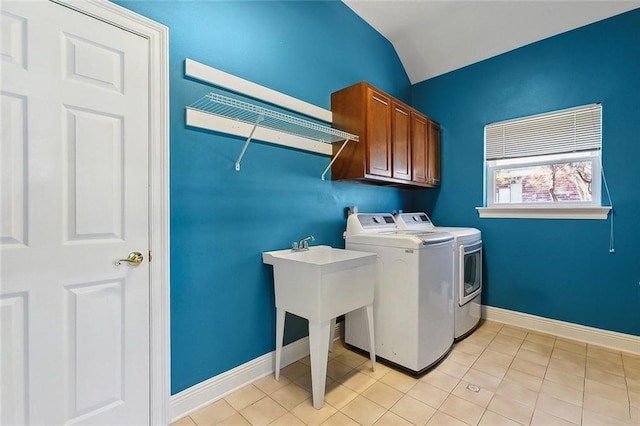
[(150, 256)]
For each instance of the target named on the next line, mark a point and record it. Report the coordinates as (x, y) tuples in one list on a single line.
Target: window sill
[(544, 212)]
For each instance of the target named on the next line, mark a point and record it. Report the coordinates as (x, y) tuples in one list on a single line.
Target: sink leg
[(318, 345), (372, 343), (280, 317), (332, 334)]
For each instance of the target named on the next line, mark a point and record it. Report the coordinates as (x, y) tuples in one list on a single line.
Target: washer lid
[(400, 239), (420, 221), (460, 232), (428, 237)]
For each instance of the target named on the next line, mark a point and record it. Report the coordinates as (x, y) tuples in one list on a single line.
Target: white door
[(74, 193)]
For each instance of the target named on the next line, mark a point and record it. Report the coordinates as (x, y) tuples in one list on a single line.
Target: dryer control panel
[(418, 221)]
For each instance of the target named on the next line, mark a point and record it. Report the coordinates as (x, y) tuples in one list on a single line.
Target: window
[(544, 162)]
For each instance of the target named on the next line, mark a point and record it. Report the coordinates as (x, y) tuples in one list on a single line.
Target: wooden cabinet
[(419, 152), (401, 141), (425, 146), (396, 140), (378, 132), (433, 144)]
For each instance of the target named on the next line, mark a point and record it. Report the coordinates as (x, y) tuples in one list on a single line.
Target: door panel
[(14, 36), (13, 319), (93, 64), (13, 162), (95, 175), (434, 153), (419, 148), (96, 348), (378, 134), (401, 143), (75, 139)]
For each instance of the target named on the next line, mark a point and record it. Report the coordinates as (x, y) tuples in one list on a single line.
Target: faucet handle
[(304, 243), (294, 246)]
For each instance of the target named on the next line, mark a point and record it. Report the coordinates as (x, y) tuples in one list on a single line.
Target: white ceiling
[(433, 37)]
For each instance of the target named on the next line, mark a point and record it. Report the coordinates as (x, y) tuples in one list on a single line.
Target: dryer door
[(470, 272)]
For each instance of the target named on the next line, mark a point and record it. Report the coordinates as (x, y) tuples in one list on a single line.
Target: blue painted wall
[(222, 304), (559, 269)]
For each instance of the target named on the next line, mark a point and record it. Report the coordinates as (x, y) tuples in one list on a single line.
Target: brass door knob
[(134, 259)]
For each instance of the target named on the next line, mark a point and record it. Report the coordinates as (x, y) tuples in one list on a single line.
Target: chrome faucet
[(303, 244)]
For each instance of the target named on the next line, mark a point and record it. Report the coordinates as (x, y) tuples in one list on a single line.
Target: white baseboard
[(595, 336), (215, 388)]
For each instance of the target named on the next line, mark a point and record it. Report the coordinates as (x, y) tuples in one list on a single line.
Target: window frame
[(545, 210)]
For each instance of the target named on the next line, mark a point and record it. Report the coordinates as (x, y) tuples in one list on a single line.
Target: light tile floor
[(524, 378)]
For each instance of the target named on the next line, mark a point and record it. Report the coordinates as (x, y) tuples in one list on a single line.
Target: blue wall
[(222, 308), (559, 269), (222, 303)]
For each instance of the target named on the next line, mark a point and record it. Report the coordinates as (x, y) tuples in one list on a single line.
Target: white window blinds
[(559, 132)]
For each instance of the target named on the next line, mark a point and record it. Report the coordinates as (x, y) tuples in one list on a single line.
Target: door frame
[(159, 331)]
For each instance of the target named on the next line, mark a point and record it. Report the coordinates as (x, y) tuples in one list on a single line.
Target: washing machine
[(468, 267), (413, 308)]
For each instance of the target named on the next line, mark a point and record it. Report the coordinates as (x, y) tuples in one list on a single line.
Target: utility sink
[(316, 255), (320, 284)]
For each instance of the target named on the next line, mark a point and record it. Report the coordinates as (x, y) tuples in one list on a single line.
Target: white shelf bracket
[(334, 158), (246, 144)]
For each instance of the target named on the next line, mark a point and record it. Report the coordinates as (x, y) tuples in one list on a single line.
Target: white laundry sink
[(322, 282)]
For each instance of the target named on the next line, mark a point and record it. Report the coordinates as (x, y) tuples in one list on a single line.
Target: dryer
[(468, 267), (413, 308)]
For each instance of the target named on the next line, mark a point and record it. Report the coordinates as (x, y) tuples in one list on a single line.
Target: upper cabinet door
[(378, 131), (433, 139), (400, 129), (419, 148)]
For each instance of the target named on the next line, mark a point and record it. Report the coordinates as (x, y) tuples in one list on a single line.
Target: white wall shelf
[(233, 116)]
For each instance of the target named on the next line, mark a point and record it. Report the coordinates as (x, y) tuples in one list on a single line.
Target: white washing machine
[(468, 267), (413, 308)]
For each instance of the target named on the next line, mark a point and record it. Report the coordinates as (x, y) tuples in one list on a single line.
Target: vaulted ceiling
[(433, 37)]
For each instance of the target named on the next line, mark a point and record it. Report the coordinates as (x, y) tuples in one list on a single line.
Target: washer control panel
[(376, 220), (359, 223)]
